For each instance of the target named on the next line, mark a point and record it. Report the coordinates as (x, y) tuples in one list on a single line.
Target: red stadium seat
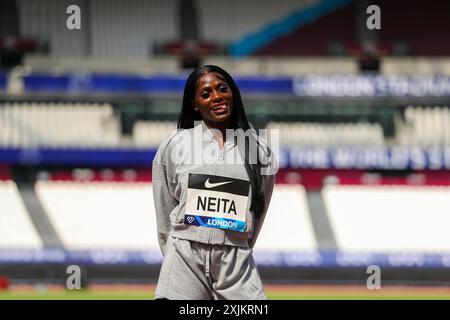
[(4, 283)]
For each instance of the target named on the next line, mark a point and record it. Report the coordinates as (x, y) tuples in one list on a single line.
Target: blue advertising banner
[(262, 258), (79, 157), (3, 80), (383, 158), (302, 86), (366, 157), (372, 86)]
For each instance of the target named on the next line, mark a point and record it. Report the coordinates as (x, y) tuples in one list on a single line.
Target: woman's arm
[(163, 193), (164, 203), (269, 184), (269, 171)]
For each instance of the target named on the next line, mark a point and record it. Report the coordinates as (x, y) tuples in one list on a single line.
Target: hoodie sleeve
[(270, 182), (163, 195)]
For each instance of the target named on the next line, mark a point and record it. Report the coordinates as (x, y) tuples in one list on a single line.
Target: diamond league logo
[(190, 219)]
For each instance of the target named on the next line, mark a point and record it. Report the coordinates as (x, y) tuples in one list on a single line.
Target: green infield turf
[(94, 295)]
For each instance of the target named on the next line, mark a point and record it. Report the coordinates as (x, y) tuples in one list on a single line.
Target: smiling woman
[(209, 214), (214, 100)]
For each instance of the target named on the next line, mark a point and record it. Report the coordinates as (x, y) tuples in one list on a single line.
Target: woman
[(211, 195)]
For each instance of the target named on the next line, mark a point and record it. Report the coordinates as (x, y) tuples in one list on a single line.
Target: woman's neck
[(222, 127)]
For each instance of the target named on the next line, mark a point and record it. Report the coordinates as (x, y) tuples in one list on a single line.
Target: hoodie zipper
[(219, 162)]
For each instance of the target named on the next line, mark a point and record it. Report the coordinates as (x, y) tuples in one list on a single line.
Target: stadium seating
[(285, 66), (97, 215), (334, 33), (424, 126), (90, 215), (415, 66), (152, 133), (389, 219), (118, 28), (271, 66), (303, 133), (100, 215), (424, 41), (16, 228), (240, 18), (46, 21), (58, 125), (288, 225), (317, 37), (129, 30), (94, 125)]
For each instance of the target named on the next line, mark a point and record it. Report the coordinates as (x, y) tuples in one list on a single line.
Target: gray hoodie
[(195, 151)]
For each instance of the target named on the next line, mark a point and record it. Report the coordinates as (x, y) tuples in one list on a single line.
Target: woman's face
[(213, 98)]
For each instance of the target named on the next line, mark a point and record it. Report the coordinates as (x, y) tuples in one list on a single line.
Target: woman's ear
[(194, 107)]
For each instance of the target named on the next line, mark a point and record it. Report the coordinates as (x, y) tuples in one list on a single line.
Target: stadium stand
[(318, 37), (102, 65), (415, 66), (288, 226), (96, 125), (98, 215), (240, 18), (112, 35), (152, 133), (45, 21), (296, 133), (425, 126), (117, 37), (281, 66), (419, 42), (364, 156), (58, 125), (16, 228), (269, 66), (410, 219), (334, 32)]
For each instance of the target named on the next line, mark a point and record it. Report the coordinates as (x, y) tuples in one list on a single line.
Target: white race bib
[(216, 202)]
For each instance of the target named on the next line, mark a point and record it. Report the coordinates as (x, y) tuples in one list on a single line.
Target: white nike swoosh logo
[(212, 185)]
